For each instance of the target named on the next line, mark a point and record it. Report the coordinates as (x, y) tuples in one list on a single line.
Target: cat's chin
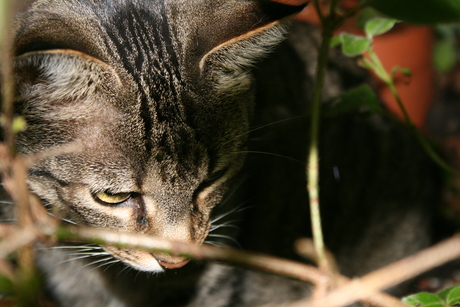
[(145, 261), (140, 260), (151, 265)]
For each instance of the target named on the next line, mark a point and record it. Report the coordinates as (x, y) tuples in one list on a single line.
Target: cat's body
[(159, 96)]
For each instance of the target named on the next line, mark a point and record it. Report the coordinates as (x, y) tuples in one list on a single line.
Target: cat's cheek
[(203, 197)]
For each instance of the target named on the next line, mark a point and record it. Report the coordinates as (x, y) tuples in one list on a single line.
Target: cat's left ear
[(241, 32)]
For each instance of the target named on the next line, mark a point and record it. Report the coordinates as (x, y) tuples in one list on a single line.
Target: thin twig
[(199, 252), (306, 248), (265, 263), (253, 260), (6, 230), (391, 275), (7, 85), (7, 270), (17, 240)]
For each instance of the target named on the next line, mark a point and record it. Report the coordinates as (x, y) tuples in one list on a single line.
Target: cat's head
[(156, 96)]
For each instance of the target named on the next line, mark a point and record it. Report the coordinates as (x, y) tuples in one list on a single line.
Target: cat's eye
[(112, 198), (215, 176)]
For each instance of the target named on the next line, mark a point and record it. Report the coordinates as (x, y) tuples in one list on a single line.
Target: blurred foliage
[(419, 12), (449, 297), (445, 54)]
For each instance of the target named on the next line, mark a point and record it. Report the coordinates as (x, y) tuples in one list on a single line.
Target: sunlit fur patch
[(140, 260)]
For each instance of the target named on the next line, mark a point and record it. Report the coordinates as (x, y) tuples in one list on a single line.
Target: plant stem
[(6, 74), (319, 11), (313, 157), (375, 64)]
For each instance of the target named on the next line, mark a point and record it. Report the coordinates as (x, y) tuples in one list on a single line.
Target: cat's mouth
[(145, 261)]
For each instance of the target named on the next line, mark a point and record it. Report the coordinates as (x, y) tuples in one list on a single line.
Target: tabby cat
[(184, 113)]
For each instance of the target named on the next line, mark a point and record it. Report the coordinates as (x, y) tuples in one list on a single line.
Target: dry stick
[(6, 230), (391, 275), (265, 263), (262, 262), (305, 248), (200, 252), (204, 252), (21, 198), (379, 299), (6, 76), (6, 269), (17, 240)]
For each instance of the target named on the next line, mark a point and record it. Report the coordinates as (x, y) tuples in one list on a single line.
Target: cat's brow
[(49, 175)]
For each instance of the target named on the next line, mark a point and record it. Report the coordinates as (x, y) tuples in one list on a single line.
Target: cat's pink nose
[(176, 265), (169, 261)]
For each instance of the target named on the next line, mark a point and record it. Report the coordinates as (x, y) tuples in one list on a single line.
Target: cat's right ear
[(238, 33), (60, 75)]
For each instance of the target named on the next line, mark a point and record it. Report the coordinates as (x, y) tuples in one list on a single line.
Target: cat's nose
[(171, 262), (173, 265)]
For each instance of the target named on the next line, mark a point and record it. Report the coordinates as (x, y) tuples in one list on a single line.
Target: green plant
[(449, 297), (352, 45)]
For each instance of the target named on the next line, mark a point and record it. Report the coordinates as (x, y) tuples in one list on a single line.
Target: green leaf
[(378, 25), (443, 293), (362, 97), (353, 45), (364, 15), (335, 41), (445, 54), (19, 125), (453, 297), (424, 299), (417, 11), (406, 72), (6, 286)]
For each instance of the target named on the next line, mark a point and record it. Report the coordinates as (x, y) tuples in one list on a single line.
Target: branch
[(17, 240), (265, 263), (199, 252), (391, 275)]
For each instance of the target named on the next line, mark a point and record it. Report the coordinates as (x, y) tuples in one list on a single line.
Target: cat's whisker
[(232, 191), (97, 261), (213, 235), (48, 206), (270, 154), (106, 263), (80, 257), (87, 253), (127, 267), (110, 264), (6, 202), (217, 244), (234, 210), (265, 126), (68, 221), (224, 225), (87, 247)]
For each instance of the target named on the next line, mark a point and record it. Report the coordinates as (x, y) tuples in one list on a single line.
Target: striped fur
[(156, 102)]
